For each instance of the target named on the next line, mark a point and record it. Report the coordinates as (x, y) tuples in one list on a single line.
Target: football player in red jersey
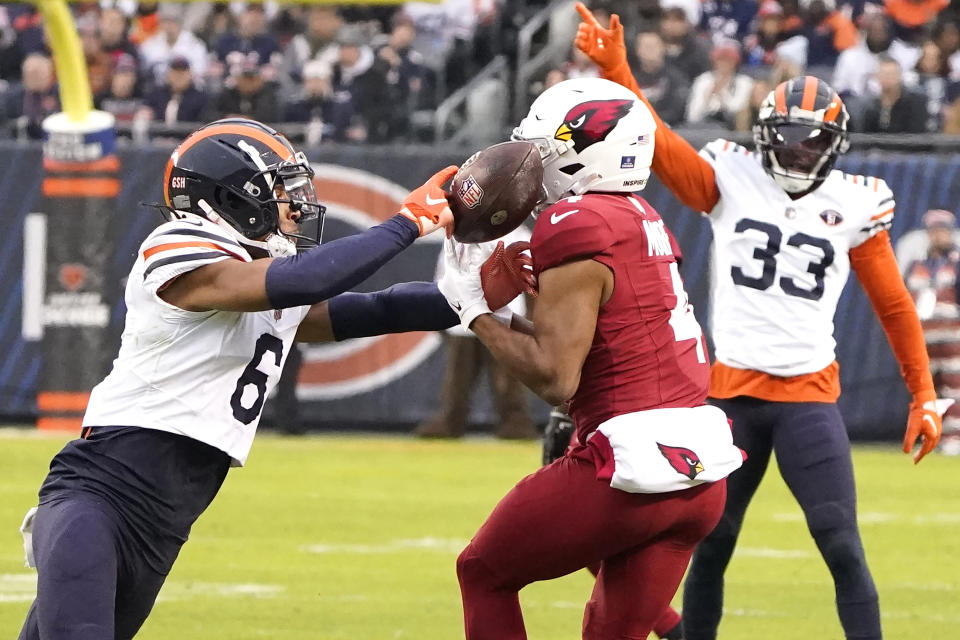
[(613, 334)]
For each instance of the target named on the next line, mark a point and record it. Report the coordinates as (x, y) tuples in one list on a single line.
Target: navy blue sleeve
[(331, 269), (411, 306)]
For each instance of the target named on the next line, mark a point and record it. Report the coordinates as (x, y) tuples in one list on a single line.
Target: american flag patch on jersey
[(470, 192)]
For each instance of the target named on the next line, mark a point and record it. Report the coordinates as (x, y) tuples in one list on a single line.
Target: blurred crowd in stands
[(376, 74), (895, 63)]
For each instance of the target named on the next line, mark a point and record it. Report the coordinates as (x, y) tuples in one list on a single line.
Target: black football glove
[(556, 436)]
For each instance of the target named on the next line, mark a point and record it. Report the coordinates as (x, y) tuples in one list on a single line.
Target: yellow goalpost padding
[(76, 98)]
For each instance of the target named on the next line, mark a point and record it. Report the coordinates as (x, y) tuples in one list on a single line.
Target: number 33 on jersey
[(779, 265)]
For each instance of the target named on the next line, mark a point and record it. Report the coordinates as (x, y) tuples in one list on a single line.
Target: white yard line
[(21, 587), (177, 590), (777, 554), (881, 517), (441, 545)]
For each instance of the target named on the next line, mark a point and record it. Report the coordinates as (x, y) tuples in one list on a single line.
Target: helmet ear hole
[(225, 199)]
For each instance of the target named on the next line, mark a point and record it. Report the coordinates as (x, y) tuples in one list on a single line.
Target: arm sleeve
[(876, 269), (333, 268), (411, 306), (675, 161)]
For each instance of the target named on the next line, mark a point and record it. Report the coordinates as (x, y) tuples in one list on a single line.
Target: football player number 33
[(258, 379), (767, 254)]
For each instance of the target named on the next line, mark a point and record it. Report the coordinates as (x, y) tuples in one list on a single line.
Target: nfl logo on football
[(470, 192)]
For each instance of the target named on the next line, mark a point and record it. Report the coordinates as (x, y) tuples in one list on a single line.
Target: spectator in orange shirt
[(911, 17), (146, 23)]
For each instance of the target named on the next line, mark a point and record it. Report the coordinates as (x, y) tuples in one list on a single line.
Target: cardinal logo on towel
[(682, 459)]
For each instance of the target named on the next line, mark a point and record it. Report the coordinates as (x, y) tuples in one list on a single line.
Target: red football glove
[(924, 422), (507, 273), (427, 205), (604, 46)]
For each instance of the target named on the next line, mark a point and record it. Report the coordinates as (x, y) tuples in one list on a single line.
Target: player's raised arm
[(316, 275), (876, 267), (676, 162)]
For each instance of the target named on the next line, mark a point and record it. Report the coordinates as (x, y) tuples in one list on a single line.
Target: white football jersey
[(204, 375), (779, 265)]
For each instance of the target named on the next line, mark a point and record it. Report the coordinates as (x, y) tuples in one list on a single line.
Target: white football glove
[(460, 282)]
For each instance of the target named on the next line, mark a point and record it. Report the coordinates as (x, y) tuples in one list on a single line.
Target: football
[(495, 190)]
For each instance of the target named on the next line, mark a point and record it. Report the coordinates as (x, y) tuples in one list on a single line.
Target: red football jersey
[(648, 351)]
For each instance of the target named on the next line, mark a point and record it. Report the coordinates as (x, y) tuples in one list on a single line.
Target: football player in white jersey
[(787, 229), (214, 301)]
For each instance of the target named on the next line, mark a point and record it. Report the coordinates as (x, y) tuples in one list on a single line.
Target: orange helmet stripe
[(809, 93), (834, 109), (166, 181), (275, 145), (780, 98), (261, 136)]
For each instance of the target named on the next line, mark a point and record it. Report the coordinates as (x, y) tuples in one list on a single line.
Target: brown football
[(495, 190)]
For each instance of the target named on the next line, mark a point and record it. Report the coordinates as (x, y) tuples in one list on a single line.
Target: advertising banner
[(390, 382)]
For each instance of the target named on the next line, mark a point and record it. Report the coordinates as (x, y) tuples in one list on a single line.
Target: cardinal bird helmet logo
[(587, 130), (682, 459), (590, 122)]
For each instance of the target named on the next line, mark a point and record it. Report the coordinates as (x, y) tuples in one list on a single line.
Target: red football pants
[(667, 621), (561, 519)]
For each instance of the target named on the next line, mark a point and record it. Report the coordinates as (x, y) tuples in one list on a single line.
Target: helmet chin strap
[(276, 245)]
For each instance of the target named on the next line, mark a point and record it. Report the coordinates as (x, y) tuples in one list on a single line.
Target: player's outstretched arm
[(417, 306), (316, 275), (303, 279), (876, 267), (409, 306), (676, 163)]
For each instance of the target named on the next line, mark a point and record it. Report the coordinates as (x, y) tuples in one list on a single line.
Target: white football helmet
[(593, 135)]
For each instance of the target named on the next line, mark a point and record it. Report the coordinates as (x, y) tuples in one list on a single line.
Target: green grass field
[(356, 537)]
